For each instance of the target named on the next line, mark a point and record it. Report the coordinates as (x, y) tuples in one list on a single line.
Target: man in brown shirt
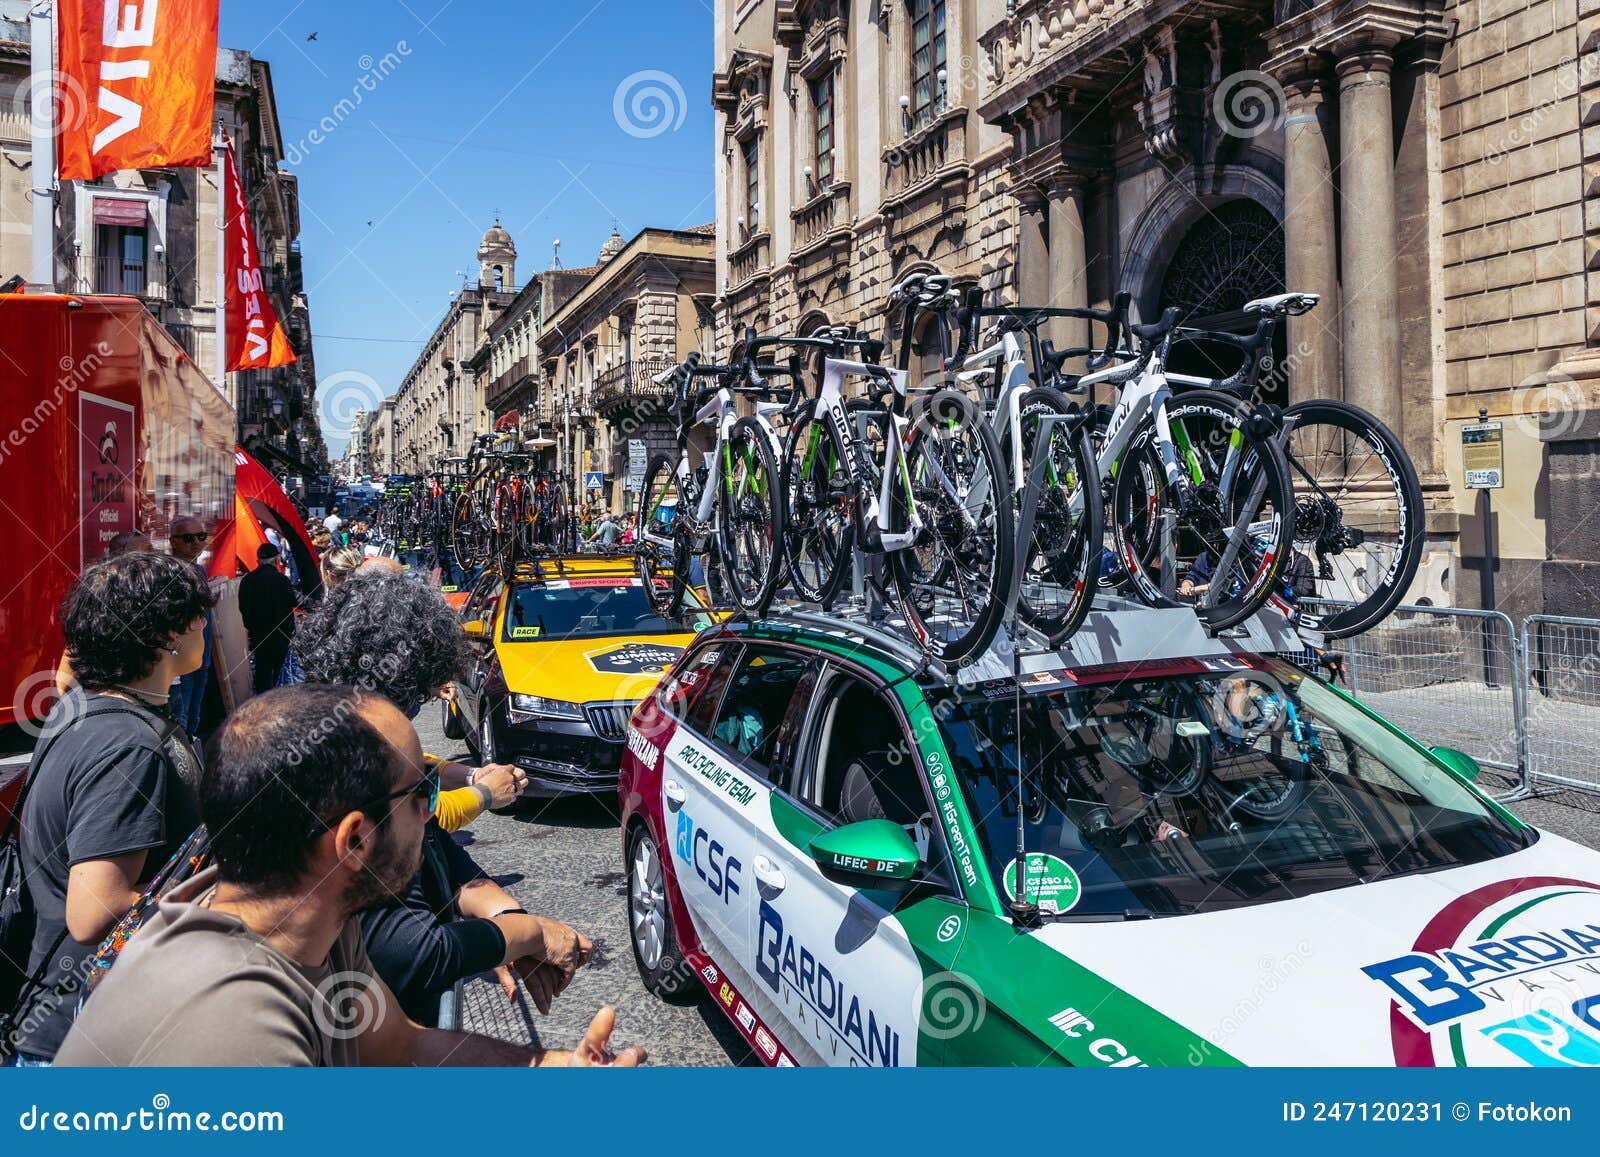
[(316, 804)]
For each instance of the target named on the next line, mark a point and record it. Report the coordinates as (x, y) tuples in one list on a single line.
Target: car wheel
[(451, 721), (655, 948), (487, 748)]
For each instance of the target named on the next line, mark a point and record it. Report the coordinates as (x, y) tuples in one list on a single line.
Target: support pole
[(221, 147), (42, 122)]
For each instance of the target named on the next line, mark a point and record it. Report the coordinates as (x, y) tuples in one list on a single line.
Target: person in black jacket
[(267, 601), (388, 633)]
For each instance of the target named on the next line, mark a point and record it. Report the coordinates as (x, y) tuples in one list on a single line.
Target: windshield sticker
[(949, 815), (1506, 974), (634, 659), (711, 769), (524, 632), (1050, 882)]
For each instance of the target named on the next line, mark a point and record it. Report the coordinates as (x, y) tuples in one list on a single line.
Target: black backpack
[(18, 918)]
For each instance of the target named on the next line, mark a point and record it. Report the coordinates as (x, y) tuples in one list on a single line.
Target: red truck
[(105, 425)]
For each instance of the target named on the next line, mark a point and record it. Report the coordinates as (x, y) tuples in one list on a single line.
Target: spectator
[(129, 542), (629, 533), (112, 796), (607, 532), (388, 632), (267, 603), (339, 564), (259, 960), (331, 524), (188, 697)]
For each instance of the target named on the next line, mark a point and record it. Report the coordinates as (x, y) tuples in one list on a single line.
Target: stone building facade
[(518, 393), (1424, 166), (152, 234), (441, 402), (645, 307)]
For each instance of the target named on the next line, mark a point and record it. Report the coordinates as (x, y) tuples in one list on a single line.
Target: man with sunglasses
[(314, 817), (189, 538)]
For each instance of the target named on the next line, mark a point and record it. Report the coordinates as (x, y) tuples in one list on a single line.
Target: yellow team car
[(563, 652)]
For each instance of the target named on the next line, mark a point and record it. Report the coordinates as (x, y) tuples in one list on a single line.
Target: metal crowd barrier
[(1561, 721), (1452, 677)]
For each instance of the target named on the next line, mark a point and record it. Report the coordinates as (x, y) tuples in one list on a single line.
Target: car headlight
[(528, 707)]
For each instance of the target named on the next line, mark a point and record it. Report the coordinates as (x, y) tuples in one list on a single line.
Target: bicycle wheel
[(1056, 587), (1232, 516), (1358, 512), (663, 551), (819, 530), (751, 519), (955, 580), (467, 532)]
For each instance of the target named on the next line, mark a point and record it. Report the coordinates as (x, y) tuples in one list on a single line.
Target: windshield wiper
[(1097, 917)]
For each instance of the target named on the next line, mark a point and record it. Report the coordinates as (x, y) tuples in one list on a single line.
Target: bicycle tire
[(986, 535), (1140, 489), (466, 534), (1065, 553), (1313, 519), (818, 519), (753, 573), (663, 568)]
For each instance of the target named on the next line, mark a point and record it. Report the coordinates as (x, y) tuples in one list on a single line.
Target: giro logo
[(1509, 972)]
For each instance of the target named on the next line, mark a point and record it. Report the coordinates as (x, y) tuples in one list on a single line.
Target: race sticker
[(524, 632), (1051, 882), (634, 659)]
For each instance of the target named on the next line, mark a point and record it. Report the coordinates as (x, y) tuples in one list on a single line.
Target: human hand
[(504, 781), (594, 1049)]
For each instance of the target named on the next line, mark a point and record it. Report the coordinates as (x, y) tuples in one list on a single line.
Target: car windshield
[(1169, 796), (587, 608)]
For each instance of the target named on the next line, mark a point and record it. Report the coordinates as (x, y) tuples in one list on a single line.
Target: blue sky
[(468, 107)]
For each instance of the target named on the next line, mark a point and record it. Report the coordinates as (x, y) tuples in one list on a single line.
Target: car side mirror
[(1459, 762), (476, 629), (867, 854)]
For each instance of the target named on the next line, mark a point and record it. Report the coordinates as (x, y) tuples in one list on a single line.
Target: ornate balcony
[(823, 216), (502, 392), (937, 149), (628, 386), (751, 259)]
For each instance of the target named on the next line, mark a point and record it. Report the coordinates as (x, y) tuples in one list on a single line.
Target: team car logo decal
[(1507, 973), (634, 658)]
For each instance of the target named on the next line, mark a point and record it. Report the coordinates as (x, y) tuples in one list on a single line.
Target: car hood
[(590, 670), (1495, 963)]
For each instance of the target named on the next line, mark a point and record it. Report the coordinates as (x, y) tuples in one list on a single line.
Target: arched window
[(499, 277)]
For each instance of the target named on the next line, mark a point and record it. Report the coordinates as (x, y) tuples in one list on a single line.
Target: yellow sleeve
[(457, 807)]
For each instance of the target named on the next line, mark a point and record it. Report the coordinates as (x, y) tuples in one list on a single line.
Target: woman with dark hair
[(387, 632), (110, 790)]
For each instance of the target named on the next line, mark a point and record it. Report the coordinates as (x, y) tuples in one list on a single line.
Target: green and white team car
[(1224, 860)]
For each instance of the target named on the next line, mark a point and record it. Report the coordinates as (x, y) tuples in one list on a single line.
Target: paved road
[(563, 859)]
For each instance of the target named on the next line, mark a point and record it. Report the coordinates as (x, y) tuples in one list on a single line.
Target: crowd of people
[(283, 890)]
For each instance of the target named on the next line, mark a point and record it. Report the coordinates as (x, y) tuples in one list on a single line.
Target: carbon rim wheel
[(955, 580), (1058, 582), (751, 518), (1358, 512), (661, 557), (818, 527)]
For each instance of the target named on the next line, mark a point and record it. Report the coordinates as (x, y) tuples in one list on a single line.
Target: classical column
[(1033, 252), (1069, 259), (1366, 184), (1311, 256)]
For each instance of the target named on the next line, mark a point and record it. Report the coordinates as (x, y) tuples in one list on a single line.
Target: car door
[(715, 789), (479, 607), (850, 970)]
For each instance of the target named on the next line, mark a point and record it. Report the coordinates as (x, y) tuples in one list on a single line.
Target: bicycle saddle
[(1283, 303)]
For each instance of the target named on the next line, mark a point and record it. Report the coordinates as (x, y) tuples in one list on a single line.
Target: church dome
[(611, 248)]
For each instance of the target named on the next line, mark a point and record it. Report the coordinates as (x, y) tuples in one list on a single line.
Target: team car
[(563, 651), (1223, 860)]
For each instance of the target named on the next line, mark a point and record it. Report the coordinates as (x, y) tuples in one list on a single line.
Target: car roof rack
[(1117, 632)]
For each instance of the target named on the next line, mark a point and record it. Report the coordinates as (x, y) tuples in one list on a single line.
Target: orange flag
[(137, 84), (255, 339)]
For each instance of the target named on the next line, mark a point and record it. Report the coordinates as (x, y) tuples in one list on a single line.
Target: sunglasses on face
[(200, 537), (426, 788)]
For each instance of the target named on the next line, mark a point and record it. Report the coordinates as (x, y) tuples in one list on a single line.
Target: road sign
[(1483, 455), (594, 480), (637, 455)]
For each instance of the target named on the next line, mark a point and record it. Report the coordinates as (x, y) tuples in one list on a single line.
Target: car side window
[(691, 691), (756, 701)]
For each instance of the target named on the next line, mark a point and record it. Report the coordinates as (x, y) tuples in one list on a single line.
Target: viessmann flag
[(255, 339), (137, 84)]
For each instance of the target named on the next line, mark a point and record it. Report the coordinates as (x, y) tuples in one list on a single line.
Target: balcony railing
[(505, 384), (628, 385), (119, 276)]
